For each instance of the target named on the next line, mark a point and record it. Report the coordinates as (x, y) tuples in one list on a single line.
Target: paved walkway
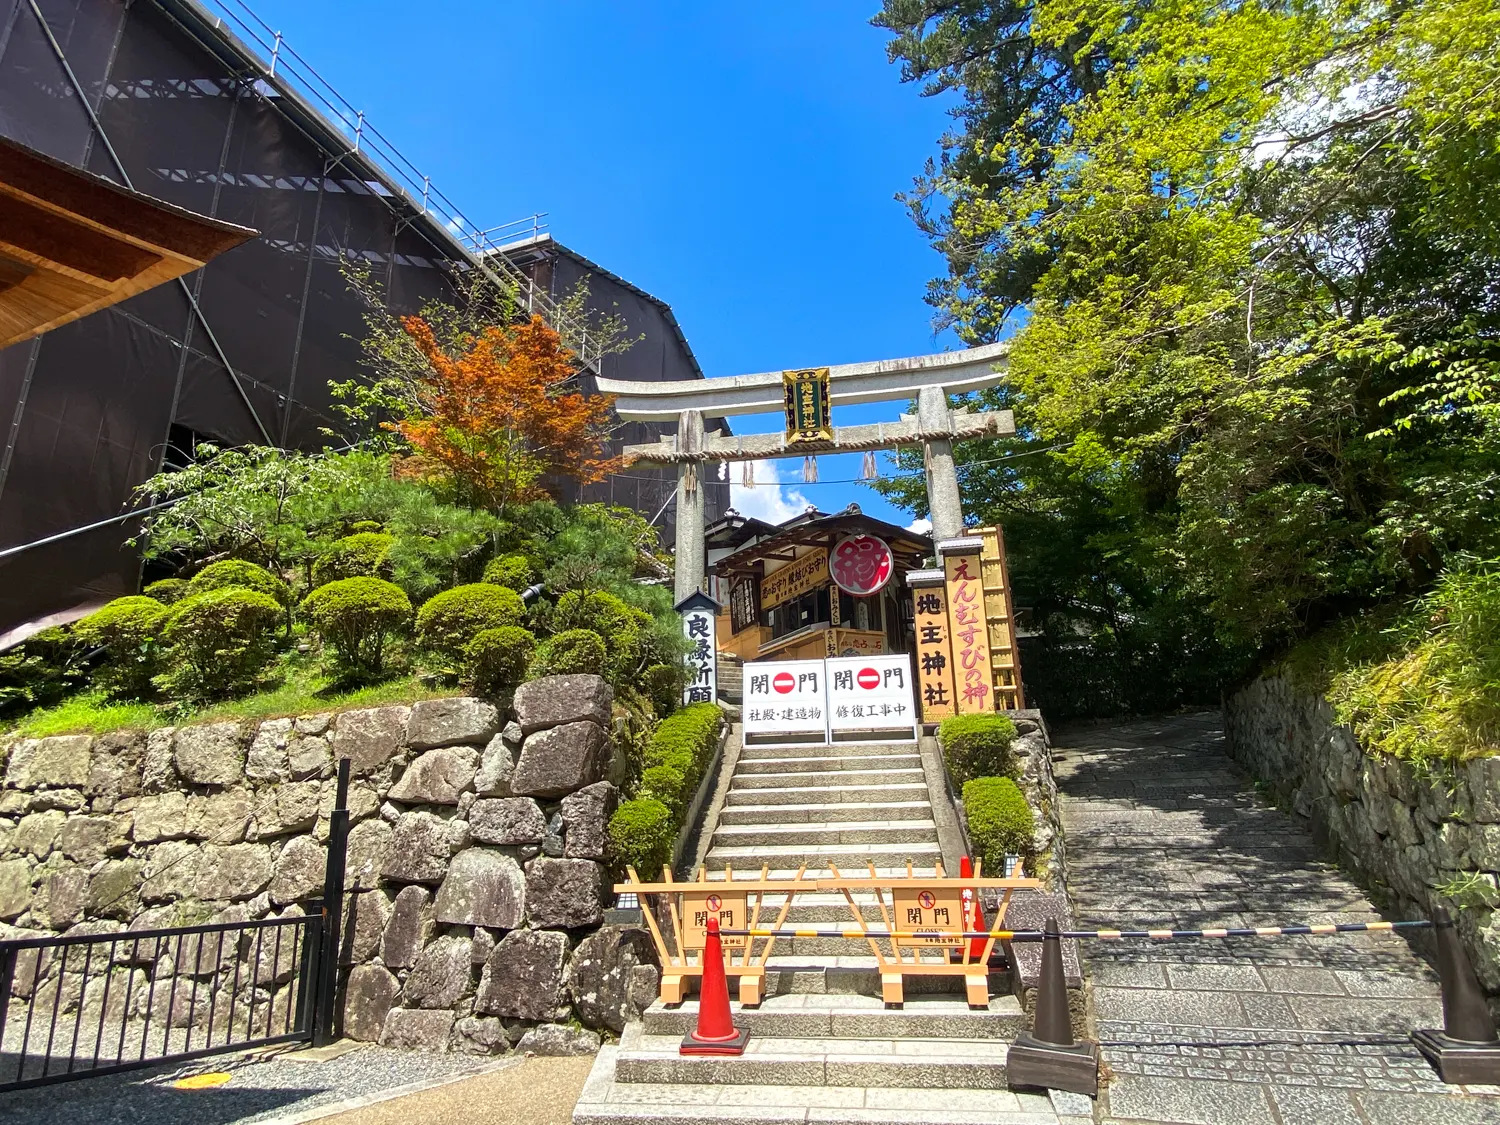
[(1163, 828)]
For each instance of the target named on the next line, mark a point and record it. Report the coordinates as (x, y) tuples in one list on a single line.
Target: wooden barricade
[(934, 903), (689, 905)]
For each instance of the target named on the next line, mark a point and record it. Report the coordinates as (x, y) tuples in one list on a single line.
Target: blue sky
[(738, 161)]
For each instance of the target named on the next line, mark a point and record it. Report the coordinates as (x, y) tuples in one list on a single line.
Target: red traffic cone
[(716, 1033), (973, 912)]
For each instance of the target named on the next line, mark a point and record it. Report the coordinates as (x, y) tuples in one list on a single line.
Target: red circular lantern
[(862, 564)]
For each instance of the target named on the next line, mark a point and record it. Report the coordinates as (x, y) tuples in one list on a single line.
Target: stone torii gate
[(927, 378)]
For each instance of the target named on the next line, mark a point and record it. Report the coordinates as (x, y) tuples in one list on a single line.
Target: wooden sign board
[(928, 910), (934, 656), (794, 579), (809, 406), (729, 908), (968, 634)]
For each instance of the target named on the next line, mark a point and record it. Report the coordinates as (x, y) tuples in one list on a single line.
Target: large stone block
[(309, 758), (158, 774), (451, 722), (211, 754), (115, 770), (88, 839), (564, 894), (36, 833), (171, 872), (161, 817), (60, 896), (421, 847), (554, 700), (416, 1029), (15, 888), (480, 1035), (560, 760), (438, 777), (483, 887), (220, 817), (507, 820), (299, 871), (370, 738), (60, 762), (613, 976), (114, 890), (368, 997), (409, 927), (265, 761), (369, 912), (364, 858), (496, 765), (558, 1039), (586, 819), (238, 871), (442, 975), (523, 978)]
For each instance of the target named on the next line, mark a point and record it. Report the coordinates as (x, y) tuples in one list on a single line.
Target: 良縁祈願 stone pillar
[(944, 503), (690, 563)]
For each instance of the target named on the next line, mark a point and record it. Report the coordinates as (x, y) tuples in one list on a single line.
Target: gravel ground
[(534, 1092), (263, 1088)]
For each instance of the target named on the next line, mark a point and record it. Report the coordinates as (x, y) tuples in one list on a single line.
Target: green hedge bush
[(1000, 822), (514, 572), (498, 659), (218, 642), (641, 835), (238, 572), (449, 621), (668, 785), (356, 617), (42, 670), (662, 685), (570, 652), (625, 629), (129, 630), (365, 554), (168, 591), (978, 746)]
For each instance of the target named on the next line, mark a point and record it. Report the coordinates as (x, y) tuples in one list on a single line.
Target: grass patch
[(303, 688)]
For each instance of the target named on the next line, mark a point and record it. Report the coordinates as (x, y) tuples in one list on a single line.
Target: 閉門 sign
[(700, 685), (794, 579), (968, 634), (785, 697), (927, 910), (870, 693), (809, 415), (728, 908), (934, 656)]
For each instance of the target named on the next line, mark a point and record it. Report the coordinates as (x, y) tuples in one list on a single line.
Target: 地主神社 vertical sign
[(701, 683), (785, 697), (968, 633), (935, 684), (809, 413)]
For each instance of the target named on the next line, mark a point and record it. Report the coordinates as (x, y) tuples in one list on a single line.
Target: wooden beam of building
[(849, 384), (847, 439), (72, 242)]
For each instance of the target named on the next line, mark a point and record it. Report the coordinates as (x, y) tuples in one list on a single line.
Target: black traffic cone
[(1047, 1055), (1467, 1051)]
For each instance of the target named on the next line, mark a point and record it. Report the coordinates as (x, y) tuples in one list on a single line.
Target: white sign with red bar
[(871, 693), (786, 697)]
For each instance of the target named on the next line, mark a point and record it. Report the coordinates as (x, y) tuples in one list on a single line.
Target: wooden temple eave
[(823, 533), (72, 243)]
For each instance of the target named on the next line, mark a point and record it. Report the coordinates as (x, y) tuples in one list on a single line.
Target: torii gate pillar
[(690, 564), (944, 503)]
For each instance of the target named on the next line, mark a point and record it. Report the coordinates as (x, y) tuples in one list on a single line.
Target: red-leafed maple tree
[(496, 419)]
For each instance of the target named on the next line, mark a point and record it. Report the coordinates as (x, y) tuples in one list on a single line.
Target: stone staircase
[(823, 1046)]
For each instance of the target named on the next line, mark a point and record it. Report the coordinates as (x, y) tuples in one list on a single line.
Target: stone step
[(752, 766), (771, 1061), (826, 779), (803, 750), (819, 855), (849, 1016), (827, 812), (827, 974), (842, 792), (605, 1101), (828, 832), (857, 871)]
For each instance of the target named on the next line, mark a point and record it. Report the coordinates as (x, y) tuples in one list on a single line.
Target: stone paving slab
[(1164, 830)]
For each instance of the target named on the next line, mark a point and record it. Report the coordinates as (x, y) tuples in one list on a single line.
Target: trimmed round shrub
[(355, 617), (667, 785), (577, 650), (359, 526), (1000, 821), (238, 572), (625, 629), (355, 556), (978, 746), (42, 670), (218, 642), (514, 572), (662, 684), (447, 622), (129, 630), (498, 658), (168, 591), (641, 835)]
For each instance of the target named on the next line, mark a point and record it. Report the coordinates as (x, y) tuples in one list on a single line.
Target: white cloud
[(769, 500), (921, 527)]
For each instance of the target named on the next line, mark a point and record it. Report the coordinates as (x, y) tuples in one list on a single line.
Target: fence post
[(333, 910), (8, 970)]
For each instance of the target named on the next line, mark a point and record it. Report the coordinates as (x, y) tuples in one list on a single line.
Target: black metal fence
[(78, 1005)]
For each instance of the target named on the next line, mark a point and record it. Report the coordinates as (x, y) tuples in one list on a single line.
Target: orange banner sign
[(934, 656)]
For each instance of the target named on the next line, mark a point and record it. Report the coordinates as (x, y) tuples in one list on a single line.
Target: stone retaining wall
[(476, 887), (1426, 837)]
